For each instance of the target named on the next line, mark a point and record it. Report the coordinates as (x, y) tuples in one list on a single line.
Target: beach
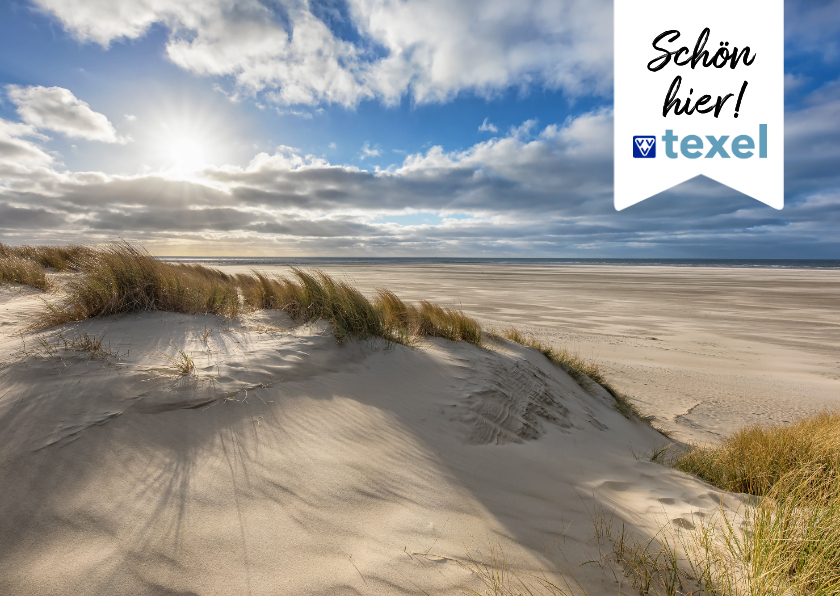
[(704, 350), (286, 461)]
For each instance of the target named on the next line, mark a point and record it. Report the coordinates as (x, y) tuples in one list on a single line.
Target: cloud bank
[(328, 51), (537, 190)]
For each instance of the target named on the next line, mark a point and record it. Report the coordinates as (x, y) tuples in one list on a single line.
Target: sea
[(325, 261)]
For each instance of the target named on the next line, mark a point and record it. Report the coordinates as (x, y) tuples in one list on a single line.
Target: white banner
[(699, 89)]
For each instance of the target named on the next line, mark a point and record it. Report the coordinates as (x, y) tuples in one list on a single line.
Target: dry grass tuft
[(60, 258), (93, 345), (121, 278), (314, 295), (754, 459), (182, 363), (19, 270), (784, 542), (407, 320), (791, 542)]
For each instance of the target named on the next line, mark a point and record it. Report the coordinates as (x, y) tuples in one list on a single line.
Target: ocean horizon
[(725, 263)]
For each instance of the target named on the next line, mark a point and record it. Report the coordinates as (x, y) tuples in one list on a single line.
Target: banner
[(699, 90)]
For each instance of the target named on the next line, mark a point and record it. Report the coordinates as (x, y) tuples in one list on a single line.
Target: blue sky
[(376, 127)]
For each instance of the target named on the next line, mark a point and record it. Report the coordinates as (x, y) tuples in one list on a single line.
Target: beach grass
[(426, 318), (791, 542), (786, 538), (60, 258), (314, 295), (20, 270), (783, 541), (121, 277), (756, 458)]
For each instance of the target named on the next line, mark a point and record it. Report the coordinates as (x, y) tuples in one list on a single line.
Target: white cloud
[(488, 126), (368, 152), (55, 108), (299, 113), (332, 145), (428, 49), (130, 117), (17, 151)]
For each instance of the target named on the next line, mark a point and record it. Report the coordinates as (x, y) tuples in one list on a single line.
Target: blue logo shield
[(644, 147)]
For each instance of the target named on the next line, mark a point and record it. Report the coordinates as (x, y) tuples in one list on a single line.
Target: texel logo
[(644, 147), (706, 85)]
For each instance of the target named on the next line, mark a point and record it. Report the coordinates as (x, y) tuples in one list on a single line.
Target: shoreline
[(798, 264)]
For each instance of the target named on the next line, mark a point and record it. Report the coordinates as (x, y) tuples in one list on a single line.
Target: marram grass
[(19, 270), (60, 258), (121, 277), (313, 295), (756, 458), (789, 543)]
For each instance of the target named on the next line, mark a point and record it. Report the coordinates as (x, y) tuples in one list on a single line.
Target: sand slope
[(290, 464)]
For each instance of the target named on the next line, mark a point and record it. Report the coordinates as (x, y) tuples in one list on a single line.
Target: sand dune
[(291, 464)]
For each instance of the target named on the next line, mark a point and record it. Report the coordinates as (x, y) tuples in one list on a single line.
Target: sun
[(186, 154)]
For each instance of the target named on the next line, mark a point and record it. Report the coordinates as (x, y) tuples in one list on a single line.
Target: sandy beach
[(288, 463), (705, 350)]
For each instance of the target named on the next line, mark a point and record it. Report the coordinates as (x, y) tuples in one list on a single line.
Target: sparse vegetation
[(182, 363), (580, 369), (783, 541), (585, 372), (93, 345)]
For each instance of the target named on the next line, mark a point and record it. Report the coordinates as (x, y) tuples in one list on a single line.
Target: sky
[(379, 128)]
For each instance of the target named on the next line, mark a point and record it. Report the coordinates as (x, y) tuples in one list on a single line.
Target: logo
[(644, 147)]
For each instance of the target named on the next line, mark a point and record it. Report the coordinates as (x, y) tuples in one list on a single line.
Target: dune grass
[(311, 296), (785, 541), (120, 278), (426, 319), (756, 458), (790, 542), (314, 295), (60, 258), (19, 270)]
